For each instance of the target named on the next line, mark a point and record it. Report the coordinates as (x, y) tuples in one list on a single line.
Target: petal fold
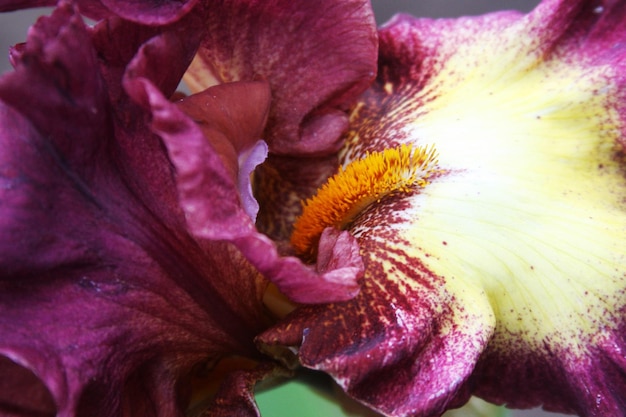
[(106, 297), (404, 346), (301, 50), (514, 254), (198, 152)]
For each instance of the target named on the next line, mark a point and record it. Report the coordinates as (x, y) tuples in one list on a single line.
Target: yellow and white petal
[(511, 262)]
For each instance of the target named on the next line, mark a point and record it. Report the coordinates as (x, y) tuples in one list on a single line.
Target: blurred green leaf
[(479, 408), (313, 394)]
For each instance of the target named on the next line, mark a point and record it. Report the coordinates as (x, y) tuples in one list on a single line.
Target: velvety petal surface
[(11, 5), (209, 192), (235, 398), (160, 54), (505, 275), (316, 58), (106, 297), (149, 12)]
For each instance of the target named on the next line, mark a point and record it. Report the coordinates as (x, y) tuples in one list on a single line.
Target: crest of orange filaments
[(359, 184)]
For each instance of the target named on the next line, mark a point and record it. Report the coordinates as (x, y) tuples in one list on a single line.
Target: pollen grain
[(356, 186)]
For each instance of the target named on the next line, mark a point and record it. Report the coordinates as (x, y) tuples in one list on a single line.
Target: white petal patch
[(533, 206)]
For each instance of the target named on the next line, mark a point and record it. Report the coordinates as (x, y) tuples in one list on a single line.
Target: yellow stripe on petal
[(358, 185)]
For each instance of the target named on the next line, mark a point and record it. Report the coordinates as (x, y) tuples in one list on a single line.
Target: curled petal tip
[(248, 161), (335, 278)]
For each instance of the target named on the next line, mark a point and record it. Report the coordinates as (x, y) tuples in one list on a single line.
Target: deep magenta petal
[(53, 91), (207, 164), (148, 12), (105, 295), (337, 279), (85, 282), (24, 390), (206, 161), (12, 5), (446, 310), (235, 398), (172, 48), (404, 346), (232, 118), (316, 58), (561, 380)]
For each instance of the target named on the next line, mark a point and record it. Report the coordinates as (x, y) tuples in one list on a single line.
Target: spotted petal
[(505, 276)]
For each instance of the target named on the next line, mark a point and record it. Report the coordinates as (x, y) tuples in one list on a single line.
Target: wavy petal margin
[(505, 276), (147, 12), (108, 305)]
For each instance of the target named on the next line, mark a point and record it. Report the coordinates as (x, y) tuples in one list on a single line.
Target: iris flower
[(483, 176), (129, 258), (453, 227)]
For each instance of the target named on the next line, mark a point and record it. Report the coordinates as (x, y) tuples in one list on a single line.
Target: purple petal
[(248, 161), (207, 167), (206, 155), (316, 57), (505, 276), (148, 12), (404, 346), (170, 48), (236, 399), (21, 388), (106, 297)]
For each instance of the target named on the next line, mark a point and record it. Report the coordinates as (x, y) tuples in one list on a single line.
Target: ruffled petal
[(510, 263), (198, 152), (106, 298), (405, 345), (316, 58), (172, 47)]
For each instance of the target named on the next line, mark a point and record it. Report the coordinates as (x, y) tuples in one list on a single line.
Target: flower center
[(361, 183)]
